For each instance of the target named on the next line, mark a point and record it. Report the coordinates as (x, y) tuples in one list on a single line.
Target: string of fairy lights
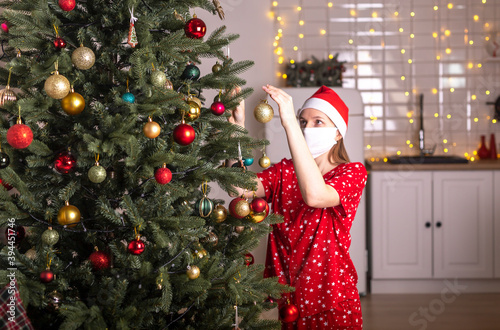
[(476, 27)]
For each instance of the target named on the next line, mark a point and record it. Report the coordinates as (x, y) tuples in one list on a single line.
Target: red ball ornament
[(258, 205), (65, 162), (19, 136), (184, 134), (289, 313), (46, 276), (99, 260), (136, 246), (239, 208), (249, 259), (59, 43), (163, 175), (195, 28), (5, 27), (6, 185), (67, 5), (217, 108)]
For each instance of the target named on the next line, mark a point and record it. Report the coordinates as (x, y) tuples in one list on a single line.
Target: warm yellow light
[(279, 51), (471, 42), (276, 38), (447, 33), (436, 115), (401, 29), (487, 92), (278, 74), (476, 17), (448, 116), (452, 89), (407, 93), (330, 4), (479, 65), (275, 44), (476, 120), (410, 61), (280, 60), (292, 61), (386, 159), (309, 62), (412, 14), (484, 1), (434, 91), (403, 51), (368, 146), (487, 38), (295, 48), (434, 34), (448, 50), (445, 141), (445, 150), (403, 77), (372, 30), (411, 145), (330, 56), (398, 152), (351, 41), (411, 121), (396, 13), (412, 35), (353, 12), (473, 97), (470, 65), (450, 6), (322, 32), (282, 23), (408, 141), (494, 121), (486, 25), (301, 35), (275, 3), (438, 57), (355, 67), (278, 18), (280, 30), (436, 7), (280, 34), (299, 8), (301, 22), (374, 14), (285, 76)]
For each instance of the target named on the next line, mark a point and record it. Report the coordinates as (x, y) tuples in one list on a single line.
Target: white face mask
[(320, 139)]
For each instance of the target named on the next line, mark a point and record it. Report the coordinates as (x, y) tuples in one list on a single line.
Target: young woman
[(317, 192)]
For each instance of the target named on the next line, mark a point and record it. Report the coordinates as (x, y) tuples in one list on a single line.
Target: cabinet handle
[(438, 224), (427, 224)]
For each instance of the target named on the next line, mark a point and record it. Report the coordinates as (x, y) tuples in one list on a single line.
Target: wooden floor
[(431, 312)]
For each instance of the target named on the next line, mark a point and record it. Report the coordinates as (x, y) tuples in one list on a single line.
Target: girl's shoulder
[(352, 167)]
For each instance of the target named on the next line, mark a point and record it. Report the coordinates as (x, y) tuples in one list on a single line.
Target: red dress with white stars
[(310, 249)]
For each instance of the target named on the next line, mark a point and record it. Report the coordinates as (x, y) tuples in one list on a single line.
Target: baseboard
[(454, 285)]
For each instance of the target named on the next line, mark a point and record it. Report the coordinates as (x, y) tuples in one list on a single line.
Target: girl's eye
[(319, 122)]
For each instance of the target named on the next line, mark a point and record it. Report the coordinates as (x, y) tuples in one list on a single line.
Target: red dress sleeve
[(270, 180), (349, 182)]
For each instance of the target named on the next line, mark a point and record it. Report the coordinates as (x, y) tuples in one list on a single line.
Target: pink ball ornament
[(217, 108)]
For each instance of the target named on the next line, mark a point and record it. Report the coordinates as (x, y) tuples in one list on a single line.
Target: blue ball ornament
[(248, 161), (128, 97)]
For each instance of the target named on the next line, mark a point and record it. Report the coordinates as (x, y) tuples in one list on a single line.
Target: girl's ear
[(338, 136)]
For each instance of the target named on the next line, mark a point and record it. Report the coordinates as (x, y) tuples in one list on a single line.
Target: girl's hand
[(285, 103), (238, 113)]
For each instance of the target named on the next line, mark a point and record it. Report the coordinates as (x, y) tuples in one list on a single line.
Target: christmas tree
[(109, 148)]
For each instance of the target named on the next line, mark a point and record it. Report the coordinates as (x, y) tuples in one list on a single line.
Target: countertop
[(478, 165)]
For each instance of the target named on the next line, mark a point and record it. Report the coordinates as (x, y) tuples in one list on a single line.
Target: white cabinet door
[(463, 224), (496, 217), (401, 224)]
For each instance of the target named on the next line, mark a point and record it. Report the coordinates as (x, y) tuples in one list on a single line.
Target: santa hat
[(328, 102)]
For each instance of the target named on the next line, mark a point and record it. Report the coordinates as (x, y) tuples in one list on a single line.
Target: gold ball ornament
[(31, 254), (57, 86), (73, 103), (194, 99), (68, 215), (158, 78), (264, 161), (193, 272), (263, 112), (151, 129), (7, 95), (194, 111), (239, 229), (83, 58), (219, 214)]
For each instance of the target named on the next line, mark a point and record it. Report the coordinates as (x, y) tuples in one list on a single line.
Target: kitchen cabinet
[(432, 224)]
